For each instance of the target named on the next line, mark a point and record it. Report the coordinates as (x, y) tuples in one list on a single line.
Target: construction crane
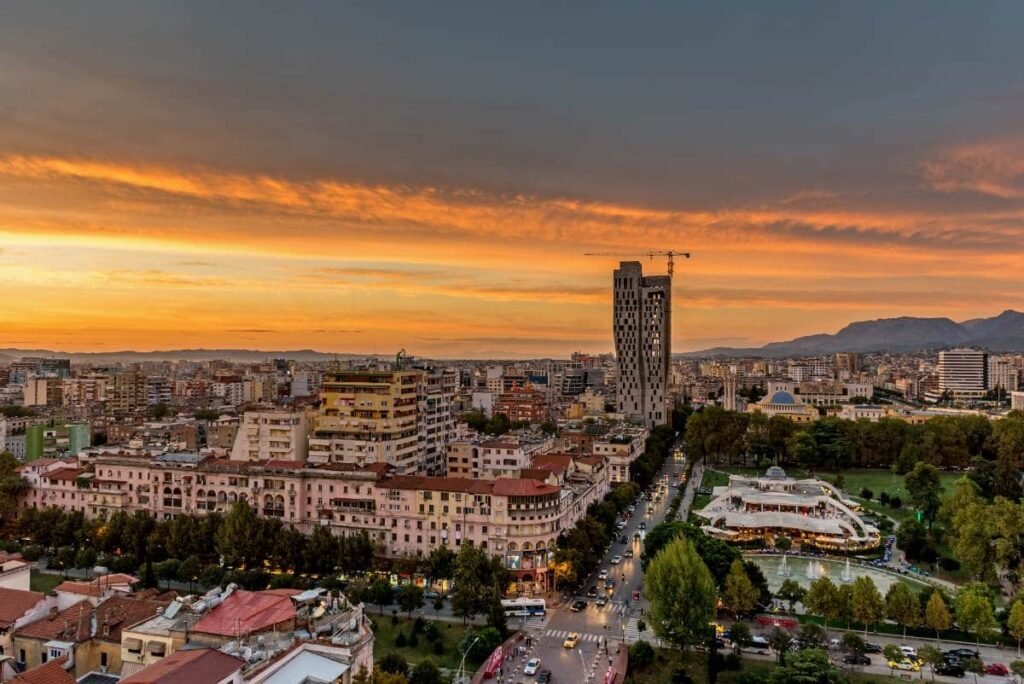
[(670, 253)]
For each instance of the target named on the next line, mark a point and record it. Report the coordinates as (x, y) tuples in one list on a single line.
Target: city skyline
[(367, 179)]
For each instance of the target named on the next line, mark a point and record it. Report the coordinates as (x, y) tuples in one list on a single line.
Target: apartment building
[(366, 417), (272, 435), (523, 405), (963, 373), (620, 450), (642, 326), (435, 397)]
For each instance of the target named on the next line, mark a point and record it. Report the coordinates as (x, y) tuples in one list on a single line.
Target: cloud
[(159, 278), (989, 168)]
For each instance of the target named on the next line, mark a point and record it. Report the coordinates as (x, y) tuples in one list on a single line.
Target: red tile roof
[(75, 624), (14, 603), (437, 484), (247, 612), (52, 672), (282, 464), (535, 473), (509, 487), (64, 474), (92, 587), (194, 666)]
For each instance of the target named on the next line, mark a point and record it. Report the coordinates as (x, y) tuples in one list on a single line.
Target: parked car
[(870, 647), (578, 605), (909, 651), (950, 669), (961, 653), (905, 664), (532, 665), (856, 659), (571, 641), (997, 669)]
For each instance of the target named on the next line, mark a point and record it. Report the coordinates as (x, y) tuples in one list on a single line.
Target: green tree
[(892, 655), (641, 655), (682, 594), (780, 642), (902, 607), (468, 598), (974, 611), (812, 635), (410, 598), (925, 489), (912, 538), (740, 635), (807, 667), (12, 485), (931, 656), (822, 598), (380, 593), (868, 606), (1017, 668), (394, 664), (854, 643), (791, 592), (440, 563), (238, 540), (782, 542), (936, 614), (425, 672), (1015, 623), (974, 666), (739, 595)]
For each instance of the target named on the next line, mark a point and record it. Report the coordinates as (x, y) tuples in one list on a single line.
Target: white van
[(759, 644)]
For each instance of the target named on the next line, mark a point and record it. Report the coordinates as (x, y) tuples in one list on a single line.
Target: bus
[(524, 607)]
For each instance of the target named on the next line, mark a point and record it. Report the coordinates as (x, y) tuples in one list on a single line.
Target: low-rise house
[(193, 666), (18, 608)]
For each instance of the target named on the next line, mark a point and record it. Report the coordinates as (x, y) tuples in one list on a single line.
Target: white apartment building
[(642, 326), (435, 395), (1003, 374), (963, 372), (1017, 401), (272, 436), (621, 449)]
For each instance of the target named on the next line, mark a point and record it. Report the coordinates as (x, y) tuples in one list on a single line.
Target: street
[(600, 626)]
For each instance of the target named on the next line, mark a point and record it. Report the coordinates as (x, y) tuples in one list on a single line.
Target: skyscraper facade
[(642, 322), (963, 372)]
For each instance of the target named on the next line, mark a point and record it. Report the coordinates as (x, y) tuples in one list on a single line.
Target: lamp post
[(460, 677)]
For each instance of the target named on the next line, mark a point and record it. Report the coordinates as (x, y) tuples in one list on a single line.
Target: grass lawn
[(667, 661), (44, 582), (386, 633)]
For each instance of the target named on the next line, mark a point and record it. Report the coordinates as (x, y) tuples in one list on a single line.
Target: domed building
[(808, 511), (785, 404)]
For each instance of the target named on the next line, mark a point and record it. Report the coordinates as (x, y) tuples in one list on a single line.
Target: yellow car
[(905, 664), (571, 641)]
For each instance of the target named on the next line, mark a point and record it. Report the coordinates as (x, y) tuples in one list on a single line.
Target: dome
[(775, 473), (781, 397)]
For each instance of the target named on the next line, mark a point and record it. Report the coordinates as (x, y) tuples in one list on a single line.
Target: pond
[(806, 570)]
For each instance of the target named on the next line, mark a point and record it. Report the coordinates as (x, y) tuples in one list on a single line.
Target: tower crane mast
[(670, 253)]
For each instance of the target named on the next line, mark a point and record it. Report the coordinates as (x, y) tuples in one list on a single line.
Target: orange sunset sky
[(362, 179)]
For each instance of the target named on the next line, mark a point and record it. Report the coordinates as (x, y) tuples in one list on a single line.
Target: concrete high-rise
[(642, 323), (963, 373)]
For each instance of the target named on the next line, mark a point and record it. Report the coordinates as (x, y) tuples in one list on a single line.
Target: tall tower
[(642, 323), (729, 391)]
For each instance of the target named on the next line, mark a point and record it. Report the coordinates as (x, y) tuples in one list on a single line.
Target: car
[(997, 669), (870, 647), (578, 605), (609, 585), (909, 651), (601, 600), (631, 509), (950, 669), (628, 553), (544, 677), (571, 641), (637, 536), (623, 539), (905, 664), (532, 665), (856, 659), (592, 592), (643, 526), (603, 574), (616, 559), (961, 653), (431, 595)]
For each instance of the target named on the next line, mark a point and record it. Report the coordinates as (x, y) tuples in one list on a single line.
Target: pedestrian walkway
[(563, 633), (537, 623)]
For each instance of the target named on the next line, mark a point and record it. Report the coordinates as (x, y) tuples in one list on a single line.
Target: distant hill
[(237, 355), (1002, 333)]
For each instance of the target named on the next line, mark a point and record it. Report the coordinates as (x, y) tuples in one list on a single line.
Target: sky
[(369, 176)]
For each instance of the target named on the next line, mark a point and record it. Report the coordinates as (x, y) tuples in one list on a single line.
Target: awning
[(129, 668), (133, 644), (157, 648)]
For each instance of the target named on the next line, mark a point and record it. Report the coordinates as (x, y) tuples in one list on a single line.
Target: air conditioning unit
[(103, 669)]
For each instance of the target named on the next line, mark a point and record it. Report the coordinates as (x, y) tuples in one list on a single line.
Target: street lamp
[(461, 677)]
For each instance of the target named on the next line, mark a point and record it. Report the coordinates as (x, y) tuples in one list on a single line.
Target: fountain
[(783, 568), (813, 570), (847, 576)]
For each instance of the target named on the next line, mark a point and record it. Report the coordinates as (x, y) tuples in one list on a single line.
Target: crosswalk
[(537, 623), (562, 633)]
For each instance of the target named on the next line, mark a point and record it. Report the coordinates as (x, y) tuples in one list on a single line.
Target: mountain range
[(1002, 333), (236, 355)]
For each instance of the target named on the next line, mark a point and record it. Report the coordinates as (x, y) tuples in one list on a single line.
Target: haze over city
[(361, 178)]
